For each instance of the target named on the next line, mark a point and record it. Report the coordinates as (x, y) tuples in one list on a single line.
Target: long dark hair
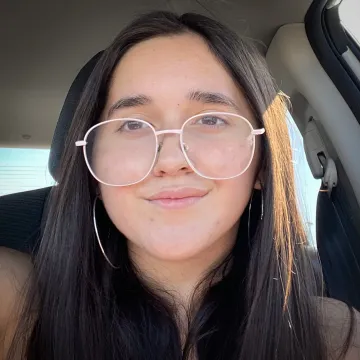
[(79, 308)]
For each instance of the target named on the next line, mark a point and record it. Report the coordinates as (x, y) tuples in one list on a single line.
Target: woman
[(174, 231)]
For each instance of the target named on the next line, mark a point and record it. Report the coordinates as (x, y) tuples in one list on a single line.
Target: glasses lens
[(121, 152), (218, 145)]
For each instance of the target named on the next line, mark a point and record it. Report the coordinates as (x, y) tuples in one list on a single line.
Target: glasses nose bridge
[(171, 131), (164, 132)]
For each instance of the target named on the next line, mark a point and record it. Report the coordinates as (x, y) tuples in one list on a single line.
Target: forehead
[(168, 68)]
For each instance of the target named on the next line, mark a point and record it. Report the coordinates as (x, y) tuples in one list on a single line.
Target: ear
[(257, 184), (98, 192), (259, 180)]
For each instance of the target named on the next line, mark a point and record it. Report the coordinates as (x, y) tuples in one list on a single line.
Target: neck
[(180, 278)]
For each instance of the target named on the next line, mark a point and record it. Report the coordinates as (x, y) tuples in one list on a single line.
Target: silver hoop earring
[(98, 237), (262, 210)]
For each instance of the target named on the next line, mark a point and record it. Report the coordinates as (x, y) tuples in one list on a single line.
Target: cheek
[(119, 204), (232, 198)]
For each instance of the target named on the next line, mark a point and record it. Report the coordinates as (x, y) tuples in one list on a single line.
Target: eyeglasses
[(123, 152)]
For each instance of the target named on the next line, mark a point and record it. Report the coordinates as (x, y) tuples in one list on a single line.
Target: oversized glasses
[(216, 145)]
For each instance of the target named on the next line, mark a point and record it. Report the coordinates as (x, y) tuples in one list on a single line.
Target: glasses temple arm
[(258, 131)]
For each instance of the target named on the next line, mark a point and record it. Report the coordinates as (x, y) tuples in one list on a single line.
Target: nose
[(170, 158)]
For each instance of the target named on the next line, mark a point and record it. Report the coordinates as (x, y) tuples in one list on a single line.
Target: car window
[(23, 169), (307, 187), (349, 13)]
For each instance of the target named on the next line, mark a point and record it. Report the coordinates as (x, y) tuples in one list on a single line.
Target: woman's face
[(166, 70)]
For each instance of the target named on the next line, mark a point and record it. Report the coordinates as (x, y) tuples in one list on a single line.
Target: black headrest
[(67, 113)]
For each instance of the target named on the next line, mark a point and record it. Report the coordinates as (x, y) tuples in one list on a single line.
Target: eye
[(211, 121), (132, 125)]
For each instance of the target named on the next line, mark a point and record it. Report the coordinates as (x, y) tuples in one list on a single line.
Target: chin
[(175, 247)]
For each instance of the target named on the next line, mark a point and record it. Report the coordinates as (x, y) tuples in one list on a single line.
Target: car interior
[(312, 49)]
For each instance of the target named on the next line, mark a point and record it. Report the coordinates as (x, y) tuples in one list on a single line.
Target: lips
[(177, 198), (180, 193)]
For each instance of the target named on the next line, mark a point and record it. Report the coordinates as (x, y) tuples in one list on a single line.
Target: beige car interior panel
[(36, 70), (300, 75), (352, 61)]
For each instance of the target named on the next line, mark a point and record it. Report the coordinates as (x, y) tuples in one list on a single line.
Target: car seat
[(22, 214)]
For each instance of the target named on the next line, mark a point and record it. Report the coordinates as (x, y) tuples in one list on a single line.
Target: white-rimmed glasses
[(123, 152)]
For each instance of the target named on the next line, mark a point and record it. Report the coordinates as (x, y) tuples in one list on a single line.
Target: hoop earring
[(262, 210), (98, 237)]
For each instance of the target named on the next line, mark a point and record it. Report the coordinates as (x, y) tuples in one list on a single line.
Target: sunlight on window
[(24, 169), (349, 12), (307, 187)]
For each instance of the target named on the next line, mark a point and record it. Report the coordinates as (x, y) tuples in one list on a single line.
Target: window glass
[(23, 169), (307, 187), (349, 12)]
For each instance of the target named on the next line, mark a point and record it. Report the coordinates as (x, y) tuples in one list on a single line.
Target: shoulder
[(14, 261), (15, 269), (341, 325)]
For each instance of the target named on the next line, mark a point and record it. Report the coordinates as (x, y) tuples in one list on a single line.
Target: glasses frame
[(253, 134)]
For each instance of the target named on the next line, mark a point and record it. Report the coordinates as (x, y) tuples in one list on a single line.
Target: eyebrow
[(207, 97), (130, 101), (204, 97)]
